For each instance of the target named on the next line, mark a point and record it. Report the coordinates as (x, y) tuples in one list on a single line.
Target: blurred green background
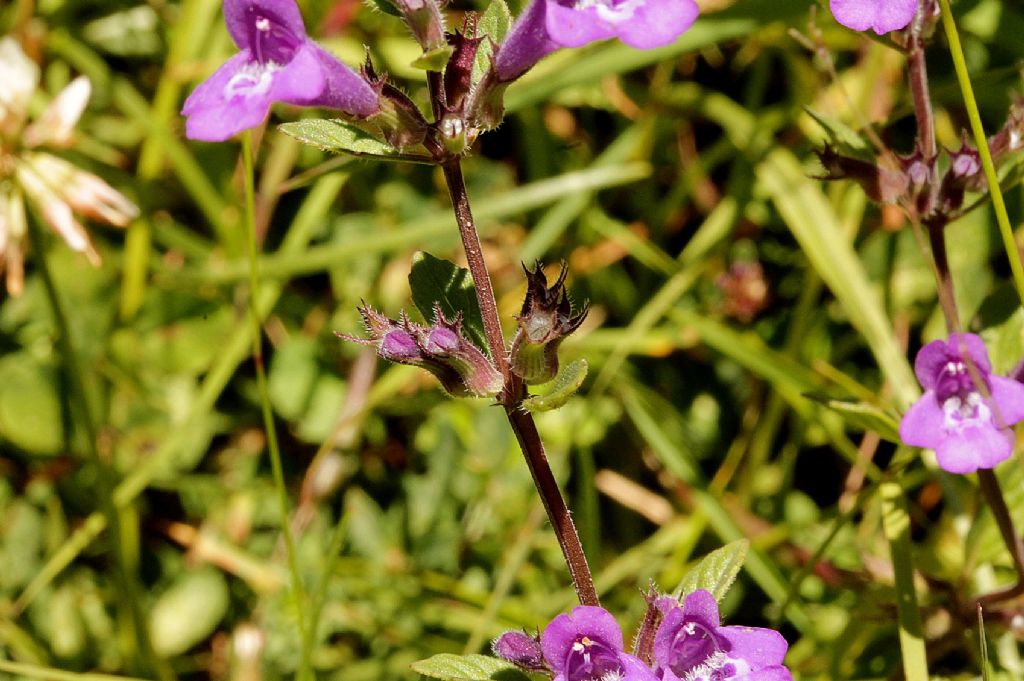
[(748, 323)]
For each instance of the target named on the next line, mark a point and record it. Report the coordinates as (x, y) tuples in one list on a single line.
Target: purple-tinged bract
[(521, 649), (966, 412), (277, 62), (546, 25), (882, 16), (692, 645), (586, 645)]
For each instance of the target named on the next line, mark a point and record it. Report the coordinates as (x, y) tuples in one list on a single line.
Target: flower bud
[(964, 173), (544, 322), (424, 21), (521, 649), (444, 345), (462, 368), (1010, 138)]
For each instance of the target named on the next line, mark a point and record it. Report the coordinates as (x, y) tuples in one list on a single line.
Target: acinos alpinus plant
[(466, 101), (965, 414)]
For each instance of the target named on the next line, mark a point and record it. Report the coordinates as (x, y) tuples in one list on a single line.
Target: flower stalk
[(298, 594)]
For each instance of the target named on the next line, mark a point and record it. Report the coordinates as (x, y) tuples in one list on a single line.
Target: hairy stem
[(521, 421), (943, 277), (305, 670)]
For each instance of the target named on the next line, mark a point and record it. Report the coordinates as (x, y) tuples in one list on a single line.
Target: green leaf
[(30, 406), (494, 24), (864, 416), (565, 385), (434, 280), (841, 136), (338, 136), (715, 572), (468, 668), (434, 60), (385, 6)]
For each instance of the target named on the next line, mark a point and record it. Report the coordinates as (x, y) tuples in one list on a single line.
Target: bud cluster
[(441, 348), (934, 191)]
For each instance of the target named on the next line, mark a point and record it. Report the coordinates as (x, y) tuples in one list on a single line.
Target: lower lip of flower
[(612, 11), (253, 80), (958, 412)]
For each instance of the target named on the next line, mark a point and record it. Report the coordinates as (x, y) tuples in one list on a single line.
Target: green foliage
[(714, 421), (715, 572), (557, 392), (468, 668)]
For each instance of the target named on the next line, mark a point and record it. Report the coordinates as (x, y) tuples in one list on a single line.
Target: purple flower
[(880, 15), (965, 412), (277, 62), (691, 645), (546, 25), (587, 646)]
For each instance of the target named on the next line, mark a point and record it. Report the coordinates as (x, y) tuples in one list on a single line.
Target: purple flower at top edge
[(547, 25), (691, 645), (965, 413), (586, 645), (882, 16), (277, 62)]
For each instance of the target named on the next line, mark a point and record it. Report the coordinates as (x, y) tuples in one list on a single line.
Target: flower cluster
[(442, 349), (966, 412), (55, 188), (690, 644)]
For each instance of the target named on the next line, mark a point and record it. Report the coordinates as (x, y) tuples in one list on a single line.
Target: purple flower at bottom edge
[(546, 25), (882, 16), (964, 414), (586, 645), (691, 644), (277, 62)]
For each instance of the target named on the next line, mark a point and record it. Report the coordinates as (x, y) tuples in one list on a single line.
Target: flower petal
[(212, 116), (656, 23), (1008, 399), (633, 669), (757, 646), (922, 425), (344, 89), (585, 620), (285, 22), (526, 43), (880, 15), (570, 27), (778, 673), (929, 362), (972, 346), (301, 80), (973, 446), (701, 605)]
